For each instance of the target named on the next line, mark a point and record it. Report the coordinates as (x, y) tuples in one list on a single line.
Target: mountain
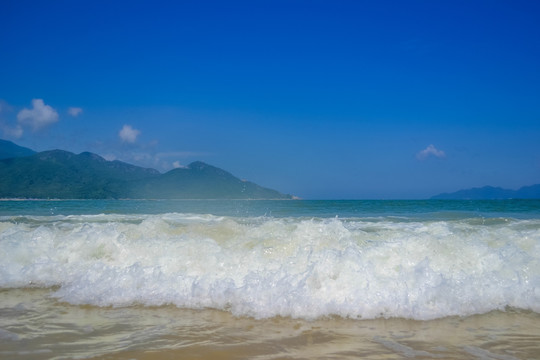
[(490, 192), (64, 175), (10, 150), (61, 174), (206, 181), (529, 192)]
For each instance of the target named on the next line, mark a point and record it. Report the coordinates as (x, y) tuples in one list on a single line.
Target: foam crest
[(265, 267)]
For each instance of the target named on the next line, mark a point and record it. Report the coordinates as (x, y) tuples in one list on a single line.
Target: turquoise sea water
[(434, 209)]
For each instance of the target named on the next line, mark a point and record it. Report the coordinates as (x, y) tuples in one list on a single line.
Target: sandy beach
[(35, 326)]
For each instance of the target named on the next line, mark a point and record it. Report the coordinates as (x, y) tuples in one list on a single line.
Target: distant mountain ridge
[(492, 193), (9, 149), (61, 174)]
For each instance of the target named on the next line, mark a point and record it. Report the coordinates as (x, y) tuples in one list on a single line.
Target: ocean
[(264, 279)]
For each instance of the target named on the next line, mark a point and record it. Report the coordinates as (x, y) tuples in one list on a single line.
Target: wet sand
[(35, 326)]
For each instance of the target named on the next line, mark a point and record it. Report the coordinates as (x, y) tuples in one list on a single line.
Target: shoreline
[(60, 330)]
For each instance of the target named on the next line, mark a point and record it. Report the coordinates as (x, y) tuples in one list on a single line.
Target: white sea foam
[(264, 267)]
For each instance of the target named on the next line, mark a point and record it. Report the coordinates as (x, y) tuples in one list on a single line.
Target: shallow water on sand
[(35, 326)]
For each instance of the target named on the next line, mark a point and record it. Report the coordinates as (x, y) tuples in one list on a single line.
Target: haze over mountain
[(65, 175)]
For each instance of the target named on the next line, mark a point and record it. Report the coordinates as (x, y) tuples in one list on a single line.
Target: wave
[(264, 267)]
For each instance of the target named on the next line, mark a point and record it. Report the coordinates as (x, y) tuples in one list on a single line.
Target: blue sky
[(320, 99)]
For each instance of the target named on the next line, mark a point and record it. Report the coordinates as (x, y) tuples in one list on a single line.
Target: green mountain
[(200, 180), (61, 174), (10, 150), (64, 175), (492, 193)]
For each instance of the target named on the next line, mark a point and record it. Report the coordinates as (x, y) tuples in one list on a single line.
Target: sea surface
[(265, 279)]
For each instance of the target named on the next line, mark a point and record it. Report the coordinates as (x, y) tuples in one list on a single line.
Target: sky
[(319, 99)]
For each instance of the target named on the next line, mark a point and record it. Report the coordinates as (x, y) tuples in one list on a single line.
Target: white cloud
[(38, 117), (128, 134), (75, 111), (12, 132), (431, 150), (177, 165)]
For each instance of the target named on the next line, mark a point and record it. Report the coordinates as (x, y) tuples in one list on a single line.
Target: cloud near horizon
[(128, 134), (75, 111), (12, 132), (38, 117), (431, 150), (177, 165)]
